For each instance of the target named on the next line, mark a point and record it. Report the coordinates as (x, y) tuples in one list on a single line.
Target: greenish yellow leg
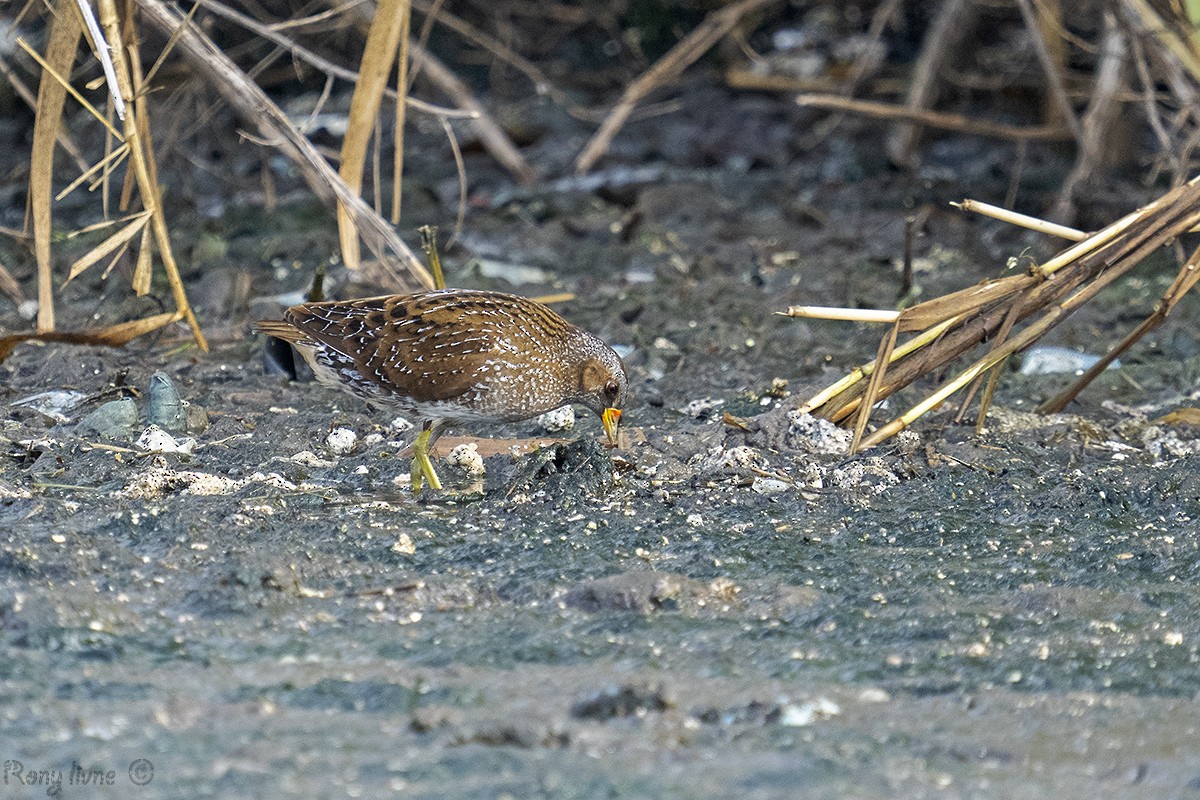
[(422, 467)]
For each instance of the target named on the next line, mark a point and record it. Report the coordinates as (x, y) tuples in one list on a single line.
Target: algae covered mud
[(715, 610)]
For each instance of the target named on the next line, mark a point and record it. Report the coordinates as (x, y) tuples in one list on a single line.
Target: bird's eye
[(611, 389)]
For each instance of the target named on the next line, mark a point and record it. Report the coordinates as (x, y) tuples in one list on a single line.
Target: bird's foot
[(422, 467)]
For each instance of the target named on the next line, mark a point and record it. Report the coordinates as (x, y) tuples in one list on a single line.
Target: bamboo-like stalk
[(147, 188), (401, 107), (379, 53), (65, 32)]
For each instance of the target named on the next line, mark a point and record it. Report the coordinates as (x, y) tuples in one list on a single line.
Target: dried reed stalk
[(994, 312)]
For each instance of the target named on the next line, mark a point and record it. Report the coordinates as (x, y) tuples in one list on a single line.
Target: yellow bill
[(609, 419)]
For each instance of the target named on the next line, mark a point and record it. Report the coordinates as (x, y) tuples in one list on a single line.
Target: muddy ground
[(711, 612)]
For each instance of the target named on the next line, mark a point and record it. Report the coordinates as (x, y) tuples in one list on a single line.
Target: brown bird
[(455, 355)]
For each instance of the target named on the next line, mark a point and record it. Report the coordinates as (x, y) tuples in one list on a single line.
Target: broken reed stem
[(401, 107), (910, 346), (1189, 275), (1104, 274), (843, 314), (886, 345), (147, 188), (1087, 267), (1025, 338), (1021, 220), (429, 245)]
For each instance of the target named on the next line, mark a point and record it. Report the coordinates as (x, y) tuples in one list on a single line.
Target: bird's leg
[(422, 467)]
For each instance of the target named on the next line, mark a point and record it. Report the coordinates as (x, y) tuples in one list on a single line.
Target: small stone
[(819, 435), (310, 459), (196, 418), (466, 457), (116, 419), (341, 441), (399, 425), (740, 457), (404, 545), (164, 407), (155, 440), (799, 716), (769, 486), (54, 404), (560, 419)]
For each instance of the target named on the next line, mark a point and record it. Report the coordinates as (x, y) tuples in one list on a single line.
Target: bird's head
[(603, 387)]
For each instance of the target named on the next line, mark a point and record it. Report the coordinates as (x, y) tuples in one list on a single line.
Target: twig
[(318, 62), (935, 119), (542, 84), (490, 134), (461, 168), (103, 56)]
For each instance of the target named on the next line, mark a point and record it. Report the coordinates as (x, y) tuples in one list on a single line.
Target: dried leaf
[(109, 245), (1180, 416), (143, 272), (112, 336)]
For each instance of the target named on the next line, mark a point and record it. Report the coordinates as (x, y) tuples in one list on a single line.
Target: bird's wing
[(429, 347)]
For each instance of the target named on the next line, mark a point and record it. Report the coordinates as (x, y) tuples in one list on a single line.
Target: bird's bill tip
[(610, 417)]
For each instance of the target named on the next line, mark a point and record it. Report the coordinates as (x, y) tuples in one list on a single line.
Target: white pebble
[(310, 459), (399, 425), (740, 456), (769, 486), (799, 716), (560, 419), (372, 439), (155, 440), (819, 435), (341, 441), (695, 520), (467, 457)]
